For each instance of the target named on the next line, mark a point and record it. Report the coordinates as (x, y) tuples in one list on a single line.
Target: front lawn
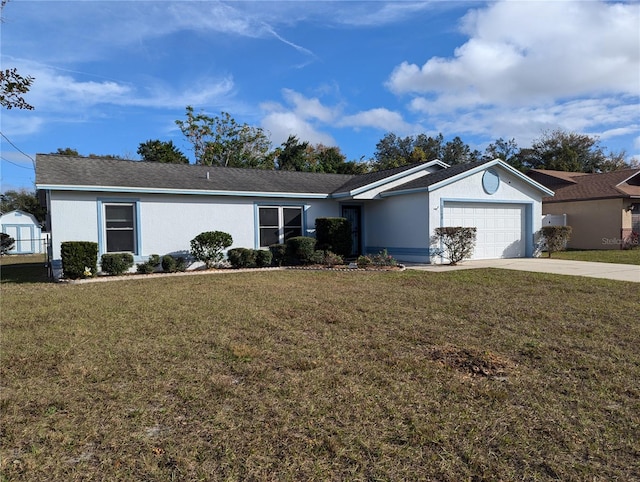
[(623, 256), (296, 375)]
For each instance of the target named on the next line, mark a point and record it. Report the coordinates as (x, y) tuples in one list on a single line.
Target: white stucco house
[(24, 228), (150, 208)]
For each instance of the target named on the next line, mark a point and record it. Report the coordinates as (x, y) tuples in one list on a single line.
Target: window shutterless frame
[(119, 224), (276, 224)]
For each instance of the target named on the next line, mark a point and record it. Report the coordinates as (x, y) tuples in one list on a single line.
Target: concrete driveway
[(619, 272)]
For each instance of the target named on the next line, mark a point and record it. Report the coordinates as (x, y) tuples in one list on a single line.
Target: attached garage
[(501, 227)]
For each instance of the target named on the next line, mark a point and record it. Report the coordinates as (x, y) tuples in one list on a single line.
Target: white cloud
[(281, 125), (56, 90), (379, 118), (302, 117), (305, 117), (605, 118), (377, 13), (521, 52), (308, 108), (523, 70), (17, 125)]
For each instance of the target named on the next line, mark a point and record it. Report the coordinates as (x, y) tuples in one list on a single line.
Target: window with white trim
[(120, 227), (276, 224)]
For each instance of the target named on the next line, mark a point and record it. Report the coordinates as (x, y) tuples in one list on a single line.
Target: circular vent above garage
[(490, 181)]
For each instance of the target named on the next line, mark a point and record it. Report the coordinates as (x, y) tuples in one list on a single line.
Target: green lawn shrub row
[(249, 258)]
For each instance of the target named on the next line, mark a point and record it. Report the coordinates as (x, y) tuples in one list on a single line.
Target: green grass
[(623, 256), (23, 268), (294, 375)]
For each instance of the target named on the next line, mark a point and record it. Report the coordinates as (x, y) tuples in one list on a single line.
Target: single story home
[(24, 228), (151, 208), (602, 209)]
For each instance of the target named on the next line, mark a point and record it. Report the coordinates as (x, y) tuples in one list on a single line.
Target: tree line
[(222, 141)]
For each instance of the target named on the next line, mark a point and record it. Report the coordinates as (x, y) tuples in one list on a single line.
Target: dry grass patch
[(291, 375)]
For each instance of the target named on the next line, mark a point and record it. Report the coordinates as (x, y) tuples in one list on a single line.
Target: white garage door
[(500, 227)]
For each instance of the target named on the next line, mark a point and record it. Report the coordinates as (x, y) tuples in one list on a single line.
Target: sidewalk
[(619, 272)]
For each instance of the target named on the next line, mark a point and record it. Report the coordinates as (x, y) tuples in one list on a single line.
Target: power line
[(15, 164), (19, 150)]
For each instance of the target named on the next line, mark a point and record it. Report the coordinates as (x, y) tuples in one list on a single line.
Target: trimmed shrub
[(300, 249), (242, 258), (79, 259), (263, 258), (154, 259), (181, 264), (556, 238), (208, 247), (278, 253), (172, 264), (249, 258), (334, 234), (169, 264), (116, 264), (150, 265), (6, 243), (458, 243)]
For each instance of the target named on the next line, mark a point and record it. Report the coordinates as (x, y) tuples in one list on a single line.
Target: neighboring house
[(151, 208), (25, 230), (602, 209)]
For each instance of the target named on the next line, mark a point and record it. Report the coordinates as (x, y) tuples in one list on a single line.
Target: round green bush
[(242, 258), (300, 249), (116, 264), (169, 264), (208, 247)]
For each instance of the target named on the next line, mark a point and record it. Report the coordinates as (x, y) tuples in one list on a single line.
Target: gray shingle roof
[(435, 177), (54, 170), (365, 179)]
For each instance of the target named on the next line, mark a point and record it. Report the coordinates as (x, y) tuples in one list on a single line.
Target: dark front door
[(354, 215)]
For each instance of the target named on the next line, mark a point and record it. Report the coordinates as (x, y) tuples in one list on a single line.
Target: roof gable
[(442, 178), (374, 182)]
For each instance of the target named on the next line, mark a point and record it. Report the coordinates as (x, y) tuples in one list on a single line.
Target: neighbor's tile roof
[(101, 172), (580, 186)]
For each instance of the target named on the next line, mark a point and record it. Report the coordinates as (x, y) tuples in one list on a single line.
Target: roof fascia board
[(486, 165), (405, 191), (143, 190)]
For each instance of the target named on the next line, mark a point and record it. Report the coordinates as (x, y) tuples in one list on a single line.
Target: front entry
[(354, 215)]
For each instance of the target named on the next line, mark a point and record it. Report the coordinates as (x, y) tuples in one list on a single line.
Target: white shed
[(26, 231)]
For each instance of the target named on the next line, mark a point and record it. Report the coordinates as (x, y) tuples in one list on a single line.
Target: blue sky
[(112, 74)]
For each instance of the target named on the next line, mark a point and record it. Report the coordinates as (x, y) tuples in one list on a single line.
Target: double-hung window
[(120, 227), (276, 224)]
